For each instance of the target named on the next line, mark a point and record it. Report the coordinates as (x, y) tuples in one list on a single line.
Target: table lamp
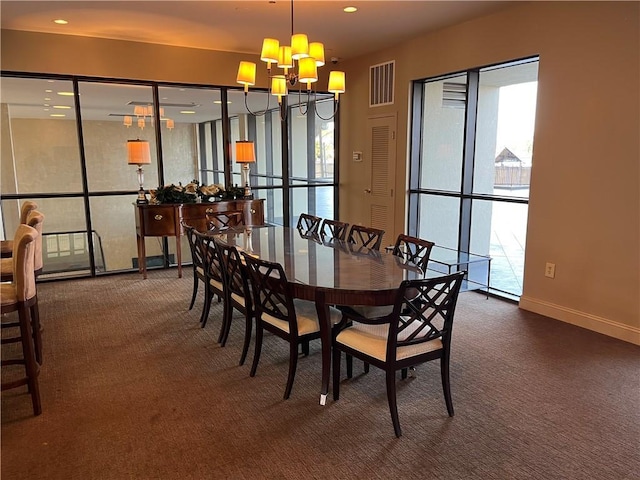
[(139, 155), (245, 154)]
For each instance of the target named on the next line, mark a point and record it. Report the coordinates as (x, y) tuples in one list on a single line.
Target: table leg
[(142, 259), (324, 319), (179, 252)]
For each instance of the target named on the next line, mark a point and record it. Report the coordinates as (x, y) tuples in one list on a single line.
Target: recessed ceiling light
[(46, 99), (48, 90), (47, 105), (66, 94), (219, 102), (187, 111), (62, 107), (57, 115), (350, 9), (60, 21)]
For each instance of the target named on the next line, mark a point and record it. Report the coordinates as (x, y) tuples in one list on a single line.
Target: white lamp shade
[(270, 50), (138, 152), (279, 86), (284, 58), (337, 82), (316, 50), (246, 73), (307, 70), (299, 46)]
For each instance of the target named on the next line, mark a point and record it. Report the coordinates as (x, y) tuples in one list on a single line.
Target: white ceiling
[(240, 26), (237, 26)]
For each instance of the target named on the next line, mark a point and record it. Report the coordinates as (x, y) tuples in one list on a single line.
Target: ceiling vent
[(381, 84), (454, 95)]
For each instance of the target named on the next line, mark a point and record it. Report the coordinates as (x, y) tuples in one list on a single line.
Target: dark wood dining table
[(325, 272)]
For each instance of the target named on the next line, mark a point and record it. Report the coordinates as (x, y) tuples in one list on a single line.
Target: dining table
[(328, 272)]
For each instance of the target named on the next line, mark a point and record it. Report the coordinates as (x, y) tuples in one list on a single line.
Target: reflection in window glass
[(439, 218), (42, 156), (443, 133)]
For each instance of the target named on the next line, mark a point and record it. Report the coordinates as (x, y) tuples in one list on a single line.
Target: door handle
[(367, 190)]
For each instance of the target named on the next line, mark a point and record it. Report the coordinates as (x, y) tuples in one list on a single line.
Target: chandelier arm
[(332, 116), (300, 101), (260, 113)]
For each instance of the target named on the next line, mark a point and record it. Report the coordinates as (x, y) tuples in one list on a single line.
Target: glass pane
[(505, 125), (443, 134), (180, 129), (114, 224), (273, 205), (439, 218), (111, 115), (43, 156), (65, 249), (324, 140), (498, 229)]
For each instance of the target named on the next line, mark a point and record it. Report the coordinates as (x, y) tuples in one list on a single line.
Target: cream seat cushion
[(307, 318), (372, 340), (216, 284)]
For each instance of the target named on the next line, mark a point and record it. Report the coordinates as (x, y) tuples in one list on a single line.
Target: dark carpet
[(133, 388)]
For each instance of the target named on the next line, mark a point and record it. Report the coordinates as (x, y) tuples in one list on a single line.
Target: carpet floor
[(133, 388)]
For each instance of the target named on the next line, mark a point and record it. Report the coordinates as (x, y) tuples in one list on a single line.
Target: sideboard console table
[(166, 220)]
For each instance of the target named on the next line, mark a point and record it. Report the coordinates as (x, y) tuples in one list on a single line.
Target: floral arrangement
[(193, 192)]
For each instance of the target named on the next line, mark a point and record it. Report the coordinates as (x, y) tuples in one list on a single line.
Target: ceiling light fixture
[(308, 56), (60, 21)]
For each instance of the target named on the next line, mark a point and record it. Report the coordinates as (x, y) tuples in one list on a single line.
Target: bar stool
[(19, 296), (6, 246), (35, 219)]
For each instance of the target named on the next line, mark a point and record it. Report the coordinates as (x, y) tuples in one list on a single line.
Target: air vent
[(381, 84), (454, 95)]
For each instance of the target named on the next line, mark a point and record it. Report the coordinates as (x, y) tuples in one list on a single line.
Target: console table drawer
[(159, 220)]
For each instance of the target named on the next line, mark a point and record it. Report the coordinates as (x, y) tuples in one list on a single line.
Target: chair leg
[(31, 366), (366, 367), (227, 312), (446, 386), (208, 296), (37, 331), (403, 374), (247, 337), (349, 366), (196, 280), (337, 354), (393, 406), (258, 349), (293, 363), (305, 348)]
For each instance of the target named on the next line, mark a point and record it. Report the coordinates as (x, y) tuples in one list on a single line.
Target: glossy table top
[(364, 276)]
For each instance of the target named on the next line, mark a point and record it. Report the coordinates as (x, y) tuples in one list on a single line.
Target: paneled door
[(381, 150)]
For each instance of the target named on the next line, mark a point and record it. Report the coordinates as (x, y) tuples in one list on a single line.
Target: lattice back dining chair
[(225, 219), (308, 224), (213, 269), (6, 246), (333, 230), (367, 237), (413, 333), (19, 296), (197, 257), (238, 293), (415, 251), (278, 312)]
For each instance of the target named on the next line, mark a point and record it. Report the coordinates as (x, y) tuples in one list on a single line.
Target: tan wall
[(584, 212), (586, 130)]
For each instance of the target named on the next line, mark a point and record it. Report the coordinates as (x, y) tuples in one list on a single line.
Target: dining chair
[(6, 246), (367, 237), (413, 250), (333, 230), (238, 294), (213, 269), (19, 296), (278, 312), (225, 219), (308, 224), (197, 258), (413, 333)]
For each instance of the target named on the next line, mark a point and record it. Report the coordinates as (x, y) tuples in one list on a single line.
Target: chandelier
[(299, 62)]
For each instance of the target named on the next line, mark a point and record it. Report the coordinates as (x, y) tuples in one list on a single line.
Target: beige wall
[(584, 212)]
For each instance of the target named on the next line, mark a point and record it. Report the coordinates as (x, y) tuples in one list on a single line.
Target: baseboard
[(585, 320)]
